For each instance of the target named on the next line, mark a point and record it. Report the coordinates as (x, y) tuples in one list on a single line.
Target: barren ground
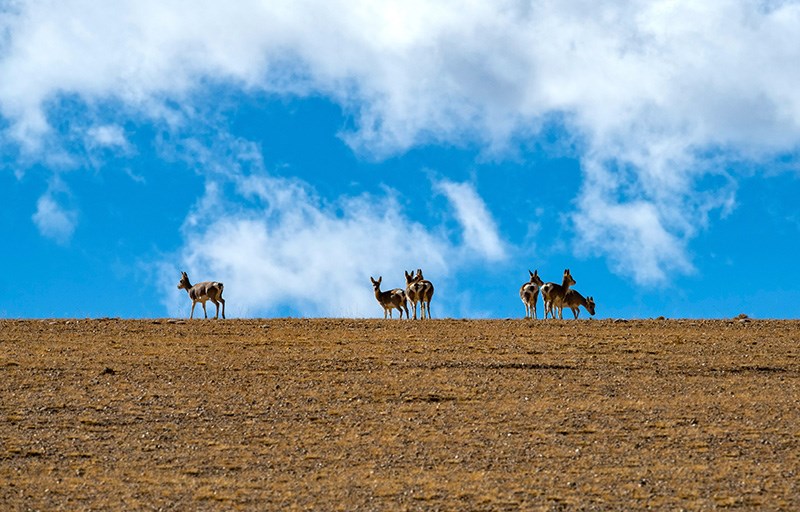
[(378, 415)]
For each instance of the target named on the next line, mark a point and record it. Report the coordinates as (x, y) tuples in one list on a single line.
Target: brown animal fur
[(390, 299), (202, 292), (553, 295), (414, 292), (573, 300), (426, 294), (529, 294)]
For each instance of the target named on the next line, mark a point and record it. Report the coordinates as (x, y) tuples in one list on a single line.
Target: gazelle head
[(184, 282), (376, 285), (419, 275), (535, 279), (590, 305), (568, 280), (410, 278)]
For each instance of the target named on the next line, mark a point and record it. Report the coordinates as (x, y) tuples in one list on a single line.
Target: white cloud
[(633, 234), (107, 136), (649, 88), (53, 220), (480, 229)]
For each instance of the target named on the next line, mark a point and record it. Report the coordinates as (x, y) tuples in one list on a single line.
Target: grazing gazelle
[(201, 292), (573, 300), (391, 299), (553, 294), (426, 291), (529, 293)]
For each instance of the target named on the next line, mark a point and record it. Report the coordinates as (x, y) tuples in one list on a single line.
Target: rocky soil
[(321, 414)]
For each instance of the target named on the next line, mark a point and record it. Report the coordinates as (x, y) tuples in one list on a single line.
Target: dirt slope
[(378, 415)]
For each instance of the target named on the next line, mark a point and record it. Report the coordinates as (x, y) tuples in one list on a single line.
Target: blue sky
[(294, 149)]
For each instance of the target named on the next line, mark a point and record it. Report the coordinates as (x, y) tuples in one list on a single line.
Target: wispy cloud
[(650, 89), (53, 220), (107, 136), (480, 229)]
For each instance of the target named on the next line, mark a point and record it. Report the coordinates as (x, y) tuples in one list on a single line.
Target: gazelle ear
[(535, 272)]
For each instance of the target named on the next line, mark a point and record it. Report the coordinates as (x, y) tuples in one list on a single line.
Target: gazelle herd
[(419, 290), (555, 296)]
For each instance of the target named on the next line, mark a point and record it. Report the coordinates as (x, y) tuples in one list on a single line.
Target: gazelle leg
[(205, 313), (191, 315)]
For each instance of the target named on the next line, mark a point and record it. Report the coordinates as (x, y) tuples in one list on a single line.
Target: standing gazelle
[(573, 300), (390, 299), (426, 294), (529, 294), (414, 291), (201, 292), (553, 295)]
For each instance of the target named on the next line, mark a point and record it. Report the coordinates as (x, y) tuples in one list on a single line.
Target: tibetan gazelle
[(424, 288), (553, 295), (529, 294), (414, 291), (574, 300), (390, 299), (201, 292)]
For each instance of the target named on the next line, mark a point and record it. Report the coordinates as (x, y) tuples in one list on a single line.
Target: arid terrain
[(293, 414)]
